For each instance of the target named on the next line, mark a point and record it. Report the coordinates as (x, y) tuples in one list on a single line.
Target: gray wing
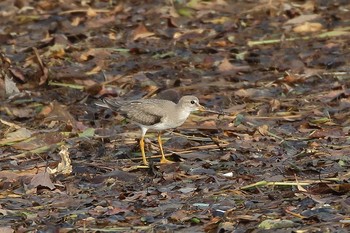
[(112, 104), (101, 104), (144, 112)]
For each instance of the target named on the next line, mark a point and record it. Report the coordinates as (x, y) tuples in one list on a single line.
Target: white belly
[(165, 125), (170, 122)]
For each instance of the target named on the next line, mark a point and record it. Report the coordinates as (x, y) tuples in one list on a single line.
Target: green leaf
[(88, 133), (195, 220)]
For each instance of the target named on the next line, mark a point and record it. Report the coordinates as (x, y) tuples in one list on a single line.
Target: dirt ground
[(277, 160)]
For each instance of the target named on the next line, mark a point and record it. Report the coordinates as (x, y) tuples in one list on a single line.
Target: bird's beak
[(201, 108)]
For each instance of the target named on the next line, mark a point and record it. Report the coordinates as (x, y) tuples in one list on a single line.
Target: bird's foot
[(166, 161)]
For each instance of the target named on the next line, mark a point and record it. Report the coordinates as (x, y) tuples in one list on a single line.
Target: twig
[(287, 183)]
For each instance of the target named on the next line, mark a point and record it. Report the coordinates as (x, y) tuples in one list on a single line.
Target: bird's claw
[(165, 161)]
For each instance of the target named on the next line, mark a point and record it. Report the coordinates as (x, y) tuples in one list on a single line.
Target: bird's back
[(144, 112)]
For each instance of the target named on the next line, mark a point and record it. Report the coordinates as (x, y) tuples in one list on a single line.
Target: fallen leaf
[(91, 12), (40, 140), (264, 130), (330, 96), (22, 112), (302, 19), (226, 66), (275, 104), (276, 224), (141, 32), (18, 135), (187, 189), (308, 27), (10, 87), (64, 166), (16, 72), (6, 230), (180, 216), (42, 179)]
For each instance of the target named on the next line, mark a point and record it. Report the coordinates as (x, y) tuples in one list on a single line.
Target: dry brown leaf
[(39, 141), (180, 216), (6, 230), (42, 179), (112, 36), (302, 19), (309, 6), (44, 71), (16, 72), (254, 92), (60, 113), (10, 175), (11, 124), (64, 166), (91, 12), (219, 43), (10, 87), (263, 130), (76, 21), (141, 32), (330, 96), (18, 135), (209, 124), (300, 188), (45, 111), (308, 27), (95, 70), (275, 104), (22, 112), (292, 79), (226, 66)]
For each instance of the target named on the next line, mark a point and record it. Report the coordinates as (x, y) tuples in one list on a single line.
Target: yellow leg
[(142, 146), (163, 159)]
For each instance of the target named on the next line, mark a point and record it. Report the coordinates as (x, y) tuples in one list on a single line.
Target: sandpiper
[(155, 114)]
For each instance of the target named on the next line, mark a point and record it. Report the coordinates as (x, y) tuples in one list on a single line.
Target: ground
[(277, 158)]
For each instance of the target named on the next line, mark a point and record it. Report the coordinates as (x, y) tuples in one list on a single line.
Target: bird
[(154, 114)]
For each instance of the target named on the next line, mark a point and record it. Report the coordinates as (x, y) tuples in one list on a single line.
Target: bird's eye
[(193, 102)]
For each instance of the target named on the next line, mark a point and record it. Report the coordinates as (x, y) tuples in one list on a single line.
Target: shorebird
[(155, 114)]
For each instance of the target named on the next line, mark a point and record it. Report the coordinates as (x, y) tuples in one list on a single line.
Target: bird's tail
[(109, 103), (101, 103)]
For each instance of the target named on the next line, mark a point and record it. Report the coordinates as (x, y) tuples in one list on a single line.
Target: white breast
[(172, 121)]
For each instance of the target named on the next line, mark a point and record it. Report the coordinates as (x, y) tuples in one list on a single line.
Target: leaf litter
[(277, 159)]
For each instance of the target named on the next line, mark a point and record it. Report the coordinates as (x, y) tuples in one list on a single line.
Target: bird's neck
[(182, 114)]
